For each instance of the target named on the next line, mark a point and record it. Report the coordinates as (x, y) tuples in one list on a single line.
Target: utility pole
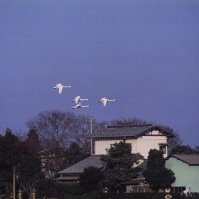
[(13, 182), (91, 123)]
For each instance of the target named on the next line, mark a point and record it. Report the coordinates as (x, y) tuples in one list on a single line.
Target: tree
[(197, 149), (30, 166), (90, 178), (156, 174), (119, 162), (32, 142), (22, 157), (10, 157), (57, 130), (182, 149), (74, 154)]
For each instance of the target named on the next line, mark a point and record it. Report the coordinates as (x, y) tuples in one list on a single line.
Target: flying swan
[(77, 99), (60, 87), (79, 106), (104, 100)]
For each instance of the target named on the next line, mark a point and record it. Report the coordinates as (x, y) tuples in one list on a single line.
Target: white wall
[(146, 143), (141, 145)]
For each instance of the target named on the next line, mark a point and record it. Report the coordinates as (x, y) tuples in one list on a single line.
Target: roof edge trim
[(118, 126)]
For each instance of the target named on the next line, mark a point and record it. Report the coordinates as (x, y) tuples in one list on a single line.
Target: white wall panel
[(141, 145)]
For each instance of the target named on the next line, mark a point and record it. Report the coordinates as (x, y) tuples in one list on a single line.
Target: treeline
[(56, 140)]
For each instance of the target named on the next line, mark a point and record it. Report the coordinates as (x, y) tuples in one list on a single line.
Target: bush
[(51, 189), (91, 178), (45, 188), (63, 190), (71, 188), (145, 196)]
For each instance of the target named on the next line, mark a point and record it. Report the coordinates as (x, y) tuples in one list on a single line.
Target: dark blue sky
[(143, 53)]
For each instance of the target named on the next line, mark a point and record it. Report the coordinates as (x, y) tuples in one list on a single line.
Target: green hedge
[(146, 196), (98, 195), (52, 189), (49, 188)]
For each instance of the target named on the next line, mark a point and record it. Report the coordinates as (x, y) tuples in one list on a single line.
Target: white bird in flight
[(104, 100), (78, 98), (79, 106), (60, 87)]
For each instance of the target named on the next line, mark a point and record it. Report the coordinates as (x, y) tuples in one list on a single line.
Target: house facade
[(186, 171), (141, 137)]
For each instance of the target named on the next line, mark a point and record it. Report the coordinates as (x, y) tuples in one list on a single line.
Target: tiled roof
[(133, 131), (191, 159), (93, 160)]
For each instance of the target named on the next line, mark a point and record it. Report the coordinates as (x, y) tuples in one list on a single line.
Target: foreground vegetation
[(53, 189)]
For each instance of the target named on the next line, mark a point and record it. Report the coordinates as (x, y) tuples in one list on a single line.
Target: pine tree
[(156, 174), (119, 162), (90, 178)]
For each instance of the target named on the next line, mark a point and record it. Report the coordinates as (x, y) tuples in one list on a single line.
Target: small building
[(137, 185), (186, 171), (72, 173)]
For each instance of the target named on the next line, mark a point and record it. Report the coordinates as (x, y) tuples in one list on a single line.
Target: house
[(186, 171), (72, 173), (141, 137)]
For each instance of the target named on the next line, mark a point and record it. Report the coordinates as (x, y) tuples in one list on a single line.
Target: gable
[(185, 169), (154, 132), (190, 159)]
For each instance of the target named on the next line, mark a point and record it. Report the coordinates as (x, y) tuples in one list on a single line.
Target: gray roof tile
[(133, 131), (191, 159), (93, 160)]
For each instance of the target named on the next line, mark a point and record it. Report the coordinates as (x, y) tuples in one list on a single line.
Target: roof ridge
[(120, 126)]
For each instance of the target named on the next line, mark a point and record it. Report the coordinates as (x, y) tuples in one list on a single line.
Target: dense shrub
[(91, 178), (71, 188), (145, 196), (45, 188), (52, 189)]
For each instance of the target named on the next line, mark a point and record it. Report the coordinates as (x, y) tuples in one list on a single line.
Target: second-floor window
[(162, 147)]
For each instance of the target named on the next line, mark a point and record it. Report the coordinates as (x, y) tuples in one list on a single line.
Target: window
[(163, 147)]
